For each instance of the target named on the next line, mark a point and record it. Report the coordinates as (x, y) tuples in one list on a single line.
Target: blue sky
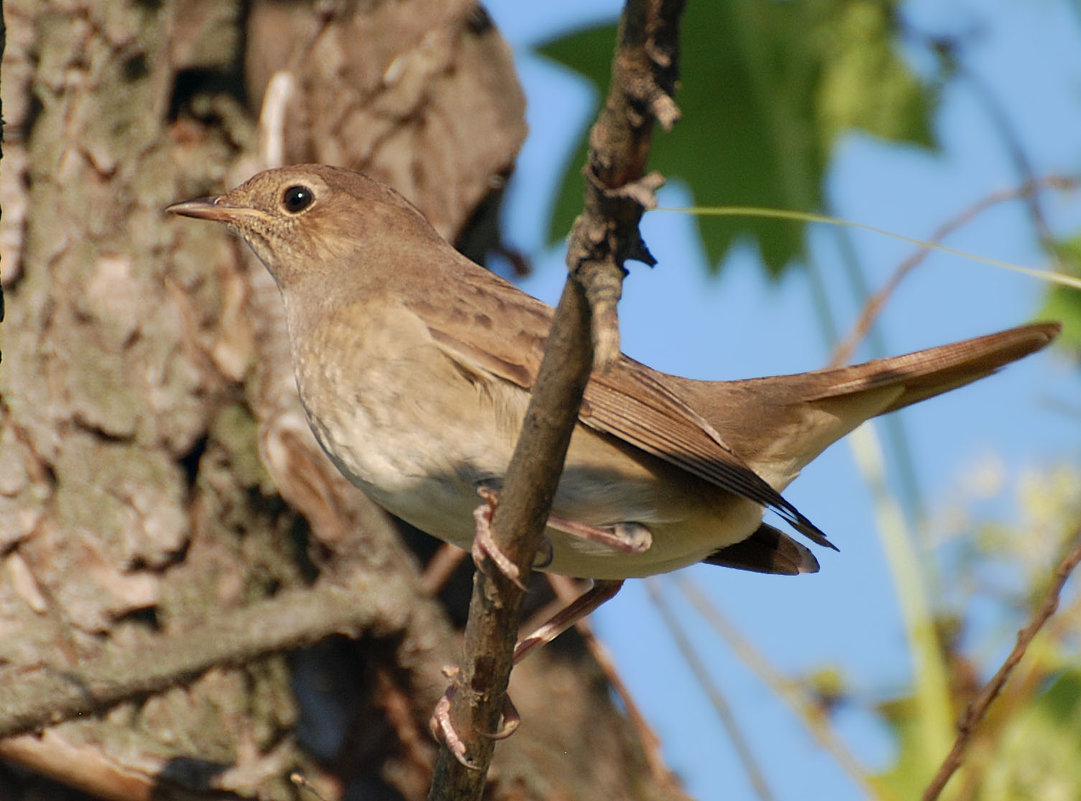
[(737, 324)]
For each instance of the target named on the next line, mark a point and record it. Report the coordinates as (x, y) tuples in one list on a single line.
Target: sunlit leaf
[(1038, 756), (1064, 303), (767, 89)]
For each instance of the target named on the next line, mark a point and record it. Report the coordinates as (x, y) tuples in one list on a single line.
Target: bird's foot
[(484, 545), (511, 721), (443, 729), (628, 537), (623, 537)]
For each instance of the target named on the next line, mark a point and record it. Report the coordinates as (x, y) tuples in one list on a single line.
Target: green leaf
[(911, 771), (864, 85), (1064, 303), (767, 87), (1038, 756), (588, 53)]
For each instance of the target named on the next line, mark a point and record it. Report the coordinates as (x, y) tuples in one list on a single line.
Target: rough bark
[(156, 476)]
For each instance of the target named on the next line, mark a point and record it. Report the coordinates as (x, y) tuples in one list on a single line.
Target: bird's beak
[(210, 208)]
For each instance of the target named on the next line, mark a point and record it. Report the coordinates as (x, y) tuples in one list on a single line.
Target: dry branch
[(606, 235), (292, 619), (977, 710)]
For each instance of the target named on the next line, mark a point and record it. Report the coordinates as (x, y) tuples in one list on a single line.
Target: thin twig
[(440, 568), (645, 71), (876, 302), (977, 710), (567, 591)]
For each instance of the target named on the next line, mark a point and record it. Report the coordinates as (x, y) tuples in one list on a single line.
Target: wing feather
[(630, 402)]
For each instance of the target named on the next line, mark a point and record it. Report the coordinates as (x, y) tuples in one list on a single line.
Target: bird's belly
[(423, 463), (415, 435), (408, 474)]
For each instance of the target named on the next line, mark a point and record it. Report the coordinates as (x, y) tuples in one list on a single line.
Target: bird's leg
[(441, 725), (566, 617), (622, 537), (484, 547)]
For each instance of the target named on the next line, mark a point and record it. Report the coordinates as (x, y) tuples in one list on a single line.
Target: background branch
[(292, 619), (977, 710), (874, 305)]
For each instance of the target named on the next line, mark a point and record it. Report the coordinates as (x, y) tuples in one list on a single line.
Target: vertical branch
[(721, 708), (644, 73)]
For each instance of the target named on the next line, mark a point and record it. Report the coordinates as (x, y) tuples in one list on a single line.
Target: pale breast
[(418, 432), (401, 421)]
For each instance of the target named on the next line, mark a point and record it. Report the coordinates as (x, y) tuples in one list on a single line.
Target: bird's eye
[(297, 198)]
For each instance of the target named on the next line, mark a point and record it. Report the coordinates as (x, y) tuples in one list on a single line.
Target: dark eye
[(297, 198)]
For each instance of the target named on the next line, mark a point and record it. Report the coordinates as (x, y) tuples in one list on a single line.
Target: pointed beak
[(210, 208)]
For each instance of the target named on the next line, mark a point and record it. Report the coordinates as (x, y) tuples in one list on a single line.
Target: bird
[(414, 367)]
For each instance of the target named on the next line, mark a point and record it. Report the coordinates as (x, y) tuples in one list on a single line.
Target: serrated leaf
[(589, 53), (767, 88)]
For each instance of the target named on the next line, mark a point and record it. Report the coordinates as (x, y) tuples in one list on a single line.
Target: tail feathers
[(768, 550), (931, 372), (779, 424)]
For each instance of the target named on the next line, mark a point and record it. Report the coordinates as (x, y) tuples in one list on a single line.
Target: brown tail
[(931, 372), (779, 424)]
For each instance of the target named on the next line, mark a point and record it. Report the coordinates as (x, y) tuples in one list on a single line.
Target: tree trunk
[(177, 552)]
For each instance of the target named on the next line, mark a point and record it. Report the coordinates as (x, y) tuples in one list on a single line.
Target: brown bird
[(414, 366)]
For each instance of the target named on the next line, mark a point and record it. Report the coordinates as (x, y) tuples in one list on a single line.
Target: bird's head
[(312, 220)]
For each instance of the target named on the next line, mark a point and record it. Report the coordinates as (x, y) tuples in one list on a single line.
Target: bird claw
[(484, 545), (544, 555), (511, 721), (443, 729)]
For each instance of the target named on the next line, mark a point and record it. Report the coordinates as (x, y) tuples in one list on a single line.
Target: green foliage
[(767, 89), (909, 774), (1064, 303), (1038, 756), (1029, 746)]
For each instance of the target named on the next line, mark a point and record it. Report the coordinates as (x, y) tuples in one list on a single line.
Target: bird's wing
[(630, 402), (634, 403)]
